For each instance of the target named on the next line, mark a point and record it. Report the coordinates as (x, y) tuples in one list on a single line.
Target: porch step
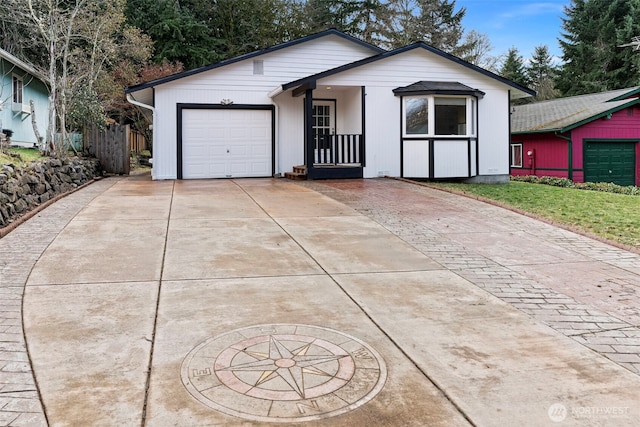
[(299, 173), (300, 169)]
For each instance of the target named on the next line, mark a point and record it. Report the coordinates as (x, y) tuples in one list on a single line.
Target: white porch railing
[(341, 149)]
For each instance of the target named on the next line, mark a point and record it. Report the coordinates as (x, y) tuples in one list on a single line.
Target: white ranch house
[(339, 106)]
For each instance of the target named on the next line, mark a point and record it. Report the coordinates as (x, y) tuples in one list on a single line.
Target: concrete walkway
[(375, 302)]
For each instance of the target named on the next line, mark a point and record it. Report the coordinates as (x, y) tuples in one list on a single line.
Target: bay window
[(417, 116), (433, 115)]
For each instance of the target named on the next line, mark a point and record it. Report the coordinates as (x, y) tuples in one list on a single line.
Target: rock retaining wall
[(24, 188)]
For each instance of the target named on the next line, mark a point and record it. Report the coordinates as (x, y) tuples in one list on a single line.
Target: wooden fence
[(111, 146), (138, 141)]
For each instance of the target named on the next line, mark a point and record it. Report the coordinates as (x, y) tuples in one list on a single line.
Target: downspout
[(570, 153), (277, 91), (476, 114), (153, 128), (509, 112)]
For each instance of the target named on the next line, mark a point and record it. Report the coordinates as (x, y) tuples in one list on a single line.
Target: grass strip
[(612, 216)]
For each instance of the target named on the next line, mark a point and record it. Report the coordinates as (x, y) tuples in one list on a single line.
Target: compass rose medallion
[(283, 373)]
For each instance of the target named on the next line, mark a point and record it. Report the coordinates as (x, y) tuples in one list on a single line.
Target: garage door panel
[(239, 151), (223, 143), (258, 168), (610, 161), (240, 134), (259, 150), (261, 132)]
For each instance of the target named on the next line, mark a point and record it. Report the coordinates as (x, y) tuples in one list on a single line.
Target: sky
[(524, 24)]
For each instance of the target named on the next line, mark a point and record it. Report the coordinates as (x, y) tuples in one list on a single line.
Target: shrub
[(608, 187)]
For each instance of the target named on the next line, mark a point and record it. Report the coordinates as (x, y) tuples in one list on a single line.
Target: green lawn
[(612, 216), (26, 155)]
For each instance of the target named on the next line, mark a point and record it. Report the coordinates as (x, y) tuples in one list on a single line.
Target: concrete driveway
[(376, 302)]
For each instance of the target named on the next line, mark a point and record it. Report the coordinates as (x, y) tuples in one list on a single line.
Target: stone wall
[(24, 188)]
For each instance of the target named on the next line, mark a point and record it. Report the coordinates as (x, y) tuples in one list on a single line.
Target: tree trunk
[(35, 125)]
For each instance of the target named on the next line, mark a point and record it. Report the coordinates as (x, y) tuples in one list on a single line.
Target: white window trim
[(512, 156), (471, 124), (13, 93)]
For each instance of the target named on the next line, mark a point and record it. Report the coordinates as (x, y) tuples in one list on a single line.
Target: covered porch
[(333, 131)]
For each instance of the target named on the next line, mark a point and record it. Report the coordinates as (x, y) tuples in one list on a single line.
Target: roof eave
[(474, 67), (601, 115), (526, 132), (23, 65), (143, 96), (250, 55), (477, 93), (527, 92)]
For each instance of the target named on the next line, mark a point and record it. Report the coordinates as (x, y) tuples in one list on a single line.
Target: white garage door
[(226, 143)]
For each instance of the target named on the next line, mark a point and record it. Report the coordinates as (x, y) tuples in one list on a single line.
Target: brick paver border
[(20, 403), (602, 332)]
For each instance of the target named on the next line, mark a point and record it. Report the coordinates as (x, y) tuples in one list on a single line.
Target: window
[(450, 116), (417, 116), (17, 90), (516, 155), (473, 116), (430, 115)]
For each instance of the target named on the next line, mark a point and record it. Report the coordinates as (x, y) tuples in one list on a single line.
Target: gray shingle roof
[(559, 114), (429, 87)]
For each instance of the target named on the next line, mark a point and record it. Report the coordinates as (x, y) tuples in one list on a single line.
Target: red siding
[(551, 152), (549, 155), (624, 124)]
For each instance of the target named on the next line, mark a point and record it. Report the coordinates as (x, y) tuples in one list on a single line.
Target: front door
[(323, 129)]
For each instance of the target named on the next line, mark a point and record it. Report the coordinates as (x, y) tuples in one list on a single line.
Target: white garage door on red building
[(226, 143)]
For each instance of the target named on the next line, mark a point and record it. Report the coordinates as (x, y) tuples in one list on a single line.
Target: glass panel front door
[(323, 129)]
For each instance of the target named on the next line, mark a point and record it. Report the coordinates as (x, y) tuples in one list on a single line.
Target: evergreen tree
[(359, 18), (177, 35), (541, 74), (435, 22), (592, 31), (513, 68), (248, 25), (200, 32)]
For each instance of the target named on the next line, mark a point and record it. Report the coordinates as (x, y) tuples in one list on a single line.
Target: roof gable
[(330, 32), (310, 80), (564, 114)]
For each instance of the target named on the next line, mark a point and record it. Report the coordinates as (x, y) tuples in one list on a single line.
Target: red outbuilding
[(586, 138)]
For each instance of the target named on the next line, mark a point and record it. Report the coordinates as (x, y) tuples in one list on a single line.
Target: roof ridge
[(584, 95)]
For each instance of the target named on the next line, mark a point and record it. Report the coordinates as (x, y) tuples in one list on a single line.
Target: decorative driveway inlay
[(283, 373)]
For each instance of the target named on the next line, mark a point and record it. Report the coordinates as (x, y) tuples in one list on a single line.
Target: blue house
[(21, 83)]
